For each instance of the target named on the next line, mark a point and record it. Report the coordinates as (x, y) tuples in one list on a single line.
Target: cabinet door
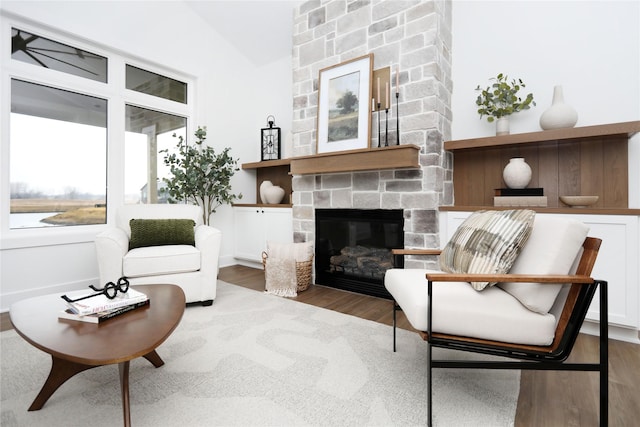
[(255, 226), (249, 233), (617, 263)]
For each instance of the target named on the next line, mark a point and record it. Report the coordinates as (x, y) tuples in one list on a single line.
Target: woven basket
[(303, 272)]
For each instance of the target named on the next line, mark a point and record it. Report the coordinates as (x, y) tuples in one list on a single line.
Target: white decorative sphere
[(517, 173)]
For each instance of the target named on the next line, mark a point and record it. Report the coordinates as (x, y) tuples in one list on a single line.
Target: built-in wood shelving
[(590, 160)]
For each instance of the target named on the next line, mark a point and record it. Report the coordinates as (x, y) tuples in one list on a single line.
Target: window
[(40, 51), (148, 132), (86, 129), (156, 85), (58, 157)]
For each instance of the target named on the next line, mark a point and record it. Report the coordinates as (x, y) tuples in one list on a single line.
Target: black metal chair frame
[(529, 357)]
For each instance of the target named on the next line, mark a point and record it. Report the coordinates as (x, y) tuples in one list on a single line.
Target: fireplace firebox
[(353, 248)]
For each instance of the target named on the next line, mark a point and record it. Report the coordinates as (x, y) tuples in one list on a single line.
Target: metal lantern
[(270, 140)]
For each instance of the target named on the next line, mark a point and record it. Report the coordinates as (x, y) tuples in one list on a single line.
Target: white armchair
[(193, 268)]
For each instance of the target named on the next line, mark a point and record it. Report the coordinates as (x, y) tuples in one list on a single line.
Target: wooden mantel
[(393, 157)]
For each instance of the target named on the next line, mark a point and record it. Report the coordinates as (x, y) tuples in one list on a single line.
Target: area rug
[(254, 359)]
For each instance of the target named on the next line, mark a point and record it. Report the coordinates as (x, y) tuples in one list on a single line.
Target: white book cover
[(100, 302)]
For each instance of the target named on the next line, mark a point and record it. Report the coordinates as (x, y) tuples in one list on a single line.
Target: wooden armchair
[(533, 351)]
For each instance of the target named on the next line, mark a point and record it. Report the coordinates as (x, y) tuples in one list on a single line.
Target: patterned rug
[(254, 359)]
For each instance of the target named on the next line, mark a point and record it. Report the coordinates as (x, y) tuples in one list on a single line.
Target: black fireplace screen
[(353, 248)]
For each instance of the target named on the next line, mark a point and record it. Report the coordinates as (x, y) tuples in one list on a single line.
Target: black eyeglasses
[(110, 290)]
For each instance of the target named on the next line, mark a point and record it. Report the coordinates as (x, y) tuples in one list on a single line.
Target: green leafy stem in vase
[(501, 99), (200, 175)]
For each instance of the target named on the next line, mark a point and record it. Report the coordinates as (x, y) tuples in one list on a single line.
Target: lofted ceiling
[(260, 29)]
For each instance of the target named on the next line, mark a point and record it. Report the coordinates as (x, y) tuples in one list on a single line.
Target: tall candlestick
[(378, 97), (397, 79), (386, 127), (373, 105), (386, 95)]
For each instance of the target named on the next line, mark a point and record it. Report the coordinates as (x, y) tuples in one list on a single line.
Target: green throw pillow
[(159, 232), (487, 242)]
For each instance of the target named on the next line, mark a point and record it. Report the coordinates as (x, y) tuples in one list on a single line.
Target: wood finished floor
[(547, 398)]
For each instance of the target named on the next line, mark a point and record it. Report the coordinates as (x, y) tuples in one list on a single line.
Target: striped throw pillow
[(487, 242)]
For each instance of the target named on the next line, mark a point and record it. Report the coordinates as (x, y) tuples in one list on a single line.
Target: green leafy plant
[(200, 175), (501, 99)]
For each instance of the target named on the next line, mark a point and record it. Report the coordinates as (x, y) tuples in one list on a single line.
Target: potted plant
[(200, 175), (500, 100)]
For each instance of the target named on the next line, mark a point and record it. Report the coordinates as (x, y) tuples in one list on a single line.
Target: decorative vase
[(559, 115), (502, 126), (274, 194), (517, 173), (263, 187)]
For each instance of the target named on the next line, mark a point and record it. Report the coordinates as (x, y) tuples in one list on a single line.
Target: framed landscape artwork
[(344, 102)]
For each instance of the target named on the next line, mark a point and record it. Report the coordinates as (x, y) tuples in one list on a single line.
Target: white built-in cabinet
[(617, 263), (256, 225)]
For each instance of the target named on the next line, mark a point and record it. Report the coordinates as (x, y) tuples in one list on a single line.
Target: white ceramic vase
[(559, 115), (274, 194), (517, 173), (263, 186), (502, 126)]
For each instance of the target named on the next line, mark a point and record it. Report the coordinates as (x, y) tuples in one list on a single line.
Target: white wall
[(234, 99), (591, 48)]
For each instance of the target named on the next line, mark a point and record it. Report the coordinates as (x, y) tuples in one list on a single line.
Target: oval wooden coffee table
[(77, 346)]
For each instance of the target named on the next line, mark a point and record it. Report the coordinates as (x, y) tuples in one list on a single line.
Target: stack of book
[(520, 197), (99, 308)]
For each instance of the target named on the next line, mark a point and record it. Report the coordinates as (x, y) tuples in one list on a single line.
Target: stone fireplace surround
[(414, 36)]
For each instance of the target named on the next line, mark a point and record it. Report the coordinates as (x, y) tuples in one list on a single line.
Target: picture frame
[(344, 105)]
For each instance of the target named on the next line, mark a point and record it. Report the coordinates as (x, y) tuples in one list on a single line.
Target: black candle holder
[(386, 127), (379, 136), (397, 118)]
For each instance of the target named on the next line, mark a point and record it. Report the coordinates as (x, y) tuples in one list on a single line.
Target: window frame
[(117, 96)]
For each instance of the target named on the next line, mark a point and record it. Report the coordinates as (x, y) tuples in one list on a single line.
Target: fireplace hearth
[(353, 248)]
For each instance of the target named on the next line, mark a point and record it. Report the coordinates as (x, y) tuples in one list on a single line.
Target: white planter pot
[(502, 126)]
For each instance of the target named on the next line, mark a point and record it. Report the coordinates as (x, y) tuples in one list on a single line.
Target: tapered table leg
[(154, 358), (61, 371), (124, 388)]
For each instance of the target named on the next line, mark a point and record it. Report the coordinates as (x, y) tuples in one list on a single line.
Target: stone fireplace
[(414, 36)]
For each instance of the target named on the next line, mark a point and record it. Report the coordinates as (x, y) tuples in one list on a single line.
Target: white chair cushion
[(492, 314), (487, 242), (552, 248), (157, 260)]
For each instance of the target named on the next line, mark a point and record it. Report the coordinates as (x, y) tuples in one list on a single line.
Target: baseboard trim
[(616, 332)]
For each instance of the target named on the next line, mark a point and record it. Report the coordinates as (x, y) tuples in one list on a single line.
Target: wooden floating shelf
[(625, 128), (393, 157), (266, 164), (262, 205), (558, 210)]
